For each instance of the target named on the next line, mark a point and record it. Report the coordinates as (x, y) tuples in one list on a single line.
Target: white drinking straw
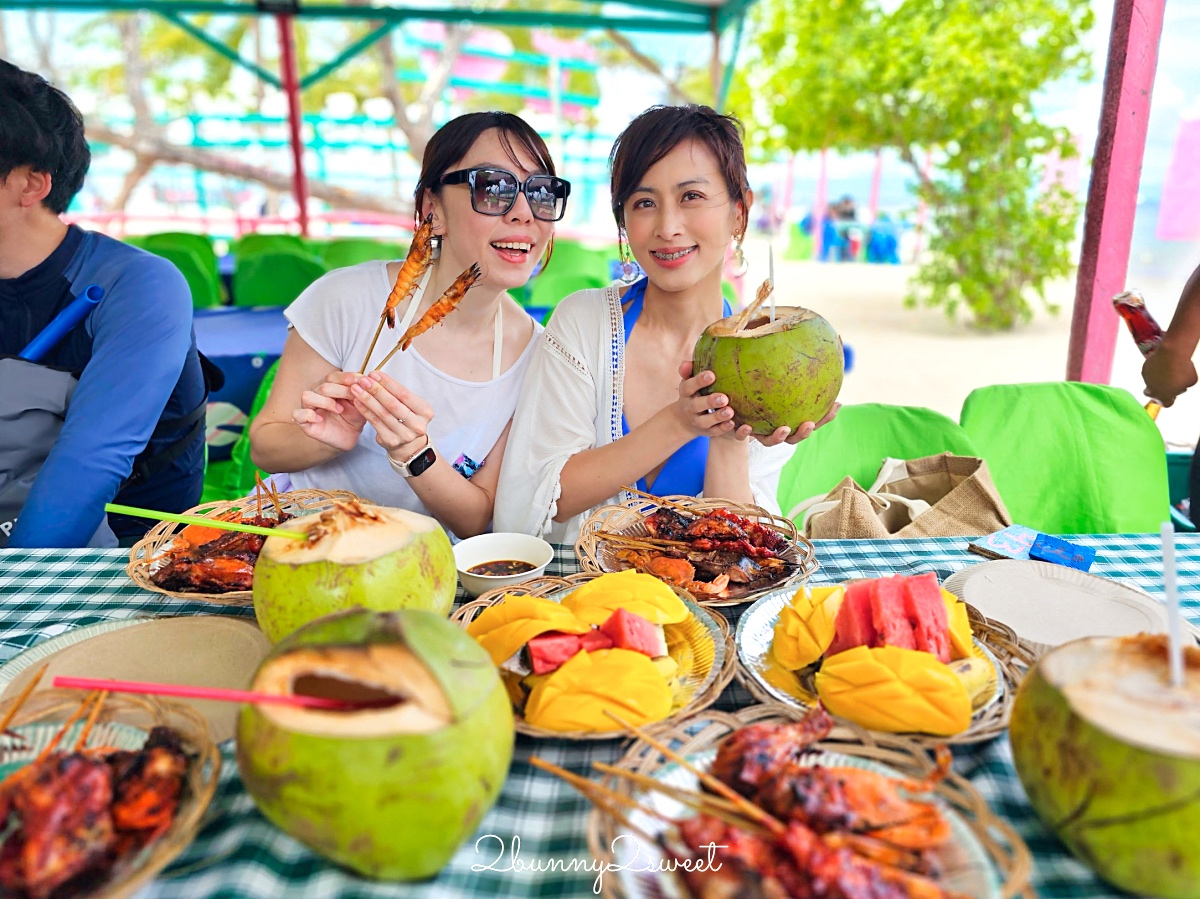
[(1174, 618), (771, 276)]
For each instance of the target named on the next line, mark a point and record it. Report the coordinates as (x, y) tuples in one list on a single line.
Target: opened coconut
[(1109, 753), (393, 787), (775, 373), (355, 556)]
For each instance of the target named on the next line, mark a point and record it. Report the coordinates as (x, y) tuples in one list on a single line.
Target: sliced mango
[(896, 690), (806, 626), (630, 590), (575, 697), (960, 626), (505, 627)]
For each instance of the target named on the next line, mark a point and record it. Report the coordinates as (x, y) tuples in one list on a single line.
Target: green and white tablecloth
[(238, 854)]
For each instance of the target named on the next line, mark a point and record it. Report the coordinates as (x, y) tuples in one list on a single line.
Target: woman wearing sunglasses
[(611, 399), (428, 431)]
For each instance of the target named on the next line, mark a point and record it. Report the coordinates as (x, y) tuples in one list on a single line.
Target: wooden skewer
[(20, 701), (764, 291), (662, 502), (747, 807), (53, 744), (602, 797), (91, 721), (702, 802)]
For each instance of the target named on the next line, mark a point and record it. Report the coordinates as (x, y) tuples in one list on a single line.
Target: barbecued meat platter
[(722, 553)]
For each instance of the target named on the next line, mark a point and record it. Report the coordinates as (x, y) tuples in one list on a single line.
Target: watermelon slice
[(549, 650), (852, 627), (927, 614), (888, 614), (631, 631), (595, 639)]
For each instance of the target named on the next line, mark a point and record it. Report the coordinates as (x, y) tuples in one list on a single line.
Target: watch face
[(420, 462)]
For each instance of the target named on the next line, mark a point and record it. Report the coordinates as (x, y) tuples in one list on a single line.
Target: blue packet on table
[(1062, 552)]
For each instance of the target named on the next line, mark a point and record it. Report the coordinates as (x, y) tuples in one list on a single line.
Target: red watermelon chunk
[(594, 640), (927, 613), (853, 627), (549, 650), (628, 630), (888, 614)]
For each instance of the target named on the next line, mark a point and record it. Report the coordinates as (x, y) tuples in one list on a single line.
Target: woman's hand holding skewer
[(400, 417), (328, 413)]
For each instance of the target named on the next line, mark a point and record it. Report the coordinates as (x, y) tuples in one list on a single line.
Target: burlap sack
[(937, 496)]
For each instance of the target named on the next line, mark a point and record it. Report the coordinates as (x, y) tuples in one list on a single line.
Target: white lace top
[(572, 400)]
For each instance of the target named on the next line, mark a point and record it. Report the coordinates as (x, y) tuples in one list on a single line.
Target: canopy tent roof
[(662, 16)]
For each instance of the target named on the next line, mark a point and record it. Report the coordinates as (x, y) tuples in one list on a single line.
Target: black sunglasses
[(494, 192)]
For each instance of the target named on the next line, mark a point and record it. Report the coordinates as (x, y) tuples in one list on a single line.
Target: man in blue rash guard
[(134, 429)]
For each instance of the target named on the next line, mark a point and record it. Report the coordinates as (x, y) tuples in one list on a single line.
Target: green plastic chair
[(274, 279), (255, 244), (546, 291), (1071, 458), (200, 244), (239, 476), (353, 250), (856, 443), (204, 284), (573, 257)]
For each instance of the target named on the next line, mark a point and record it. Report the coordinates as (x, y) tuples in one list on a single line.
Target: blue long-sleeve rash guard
[(137, 354)]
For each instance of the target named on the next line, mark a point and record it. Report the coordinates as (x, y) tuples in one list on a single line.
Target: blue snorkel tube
[(62, 324)]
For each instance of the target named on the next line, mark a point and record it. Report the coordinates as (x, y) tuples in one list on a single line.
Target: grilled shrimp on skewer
[(416, 263), (439, 310)]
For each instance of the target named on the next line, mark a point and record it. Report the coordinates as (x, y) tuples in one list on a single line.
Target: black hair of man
[(41, 128)]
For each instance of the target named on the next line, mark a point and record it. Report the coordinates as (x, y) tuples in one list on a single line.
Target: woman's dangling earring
[(740, 266), (436, 246), (629, 272)]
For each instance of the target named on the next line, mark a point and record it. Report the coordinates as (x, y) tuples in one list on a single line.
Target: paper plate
[(766, 678), (206, 650), (968, 870), (1048, 604)]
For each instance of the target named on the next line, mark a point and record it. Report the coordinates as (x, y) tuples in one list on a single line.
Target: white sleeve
[(329, 314), (555, 419), (766, 465)]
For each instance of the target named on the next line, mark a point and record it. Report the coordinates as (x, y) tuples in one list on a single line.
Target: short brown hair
[(658, 131)]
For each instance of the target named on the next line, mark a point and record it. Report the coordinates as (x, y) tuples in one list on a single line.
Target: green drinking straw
[(203, 522)]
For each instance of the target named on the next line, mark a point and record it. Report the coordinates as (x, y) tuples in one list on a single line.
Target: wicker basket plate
[(702, 645), (628, 519), (124, 722), (984, 857), (146, 556), (769, 681)]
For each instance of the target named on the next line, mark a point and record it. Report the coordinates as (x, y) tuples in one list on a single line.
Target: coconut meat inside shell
[(348, 534), (1122, 686), (786, 318), (401, 694)]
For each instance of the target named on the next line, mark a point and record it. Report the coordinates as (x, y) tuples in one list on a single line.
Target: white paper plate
[(1048, 605), (968, 870), (199, 650)]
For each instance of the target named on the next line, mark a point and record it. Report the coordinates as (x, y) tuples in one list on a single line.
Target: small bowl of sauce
[(489, 561)]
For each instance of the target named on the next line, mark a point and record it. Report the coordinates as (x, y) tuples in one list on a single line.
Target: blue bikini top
[(683, 473)]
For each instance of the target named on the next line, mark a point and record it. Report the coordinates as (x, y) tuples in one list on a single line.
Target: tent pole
[(291, 87), (1112, 192)]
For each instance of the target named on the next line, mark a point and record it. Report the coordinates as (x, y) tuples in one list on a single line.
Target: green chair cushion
[(274, 279), (204, 284), (856, 443), (239, 476), (1071, 458), (353, 250), (252, 244)]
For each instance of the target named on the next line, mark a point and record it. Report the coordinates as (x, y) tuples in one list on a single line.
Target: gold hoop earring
[(629, 268), (740, 265)]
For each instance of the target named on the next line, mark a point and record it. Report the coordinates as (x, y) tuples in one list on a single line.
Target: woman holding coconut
[(611, 399), (427, 431)]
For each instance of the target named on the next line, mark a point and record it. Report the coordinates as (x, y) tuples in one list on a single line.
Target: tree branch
[(678, 94)]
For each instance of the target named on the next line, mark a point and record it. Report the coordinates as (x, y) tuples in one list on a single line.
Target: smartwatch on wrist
[(416, 464)]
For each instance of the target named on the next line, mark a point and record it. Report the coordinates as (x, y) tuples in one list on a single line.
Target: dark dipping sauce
[(501, 568)]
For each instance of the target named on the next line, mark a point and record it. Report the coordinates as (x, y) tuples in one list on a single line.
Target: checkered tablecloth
[(238, 854)]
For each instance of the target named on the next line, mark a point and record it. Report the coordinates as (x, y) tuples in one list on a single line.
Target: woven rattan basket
[(144, 557), (551, 586), (1005, 849), (1013, 659), (595, 553), (127, 718)]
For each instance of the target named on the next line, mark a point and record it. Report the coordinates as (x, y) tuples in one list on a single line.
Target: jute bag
[(937, 496)]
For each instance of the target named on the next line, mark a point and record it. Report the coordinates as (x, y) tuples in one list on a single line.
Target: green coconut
[(775, 373), (390, 791), (1109, 754), (355, 556)]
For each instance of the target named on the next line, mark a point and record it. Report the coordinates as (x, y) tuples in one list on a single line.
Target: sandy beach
[(919, 357)]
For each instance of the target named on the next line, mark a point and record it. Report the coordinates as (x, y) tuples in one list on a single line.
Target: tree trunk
[(142, 164), (158, 149), (416, 119), (678, 94), (43, 44), (130, 28)]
